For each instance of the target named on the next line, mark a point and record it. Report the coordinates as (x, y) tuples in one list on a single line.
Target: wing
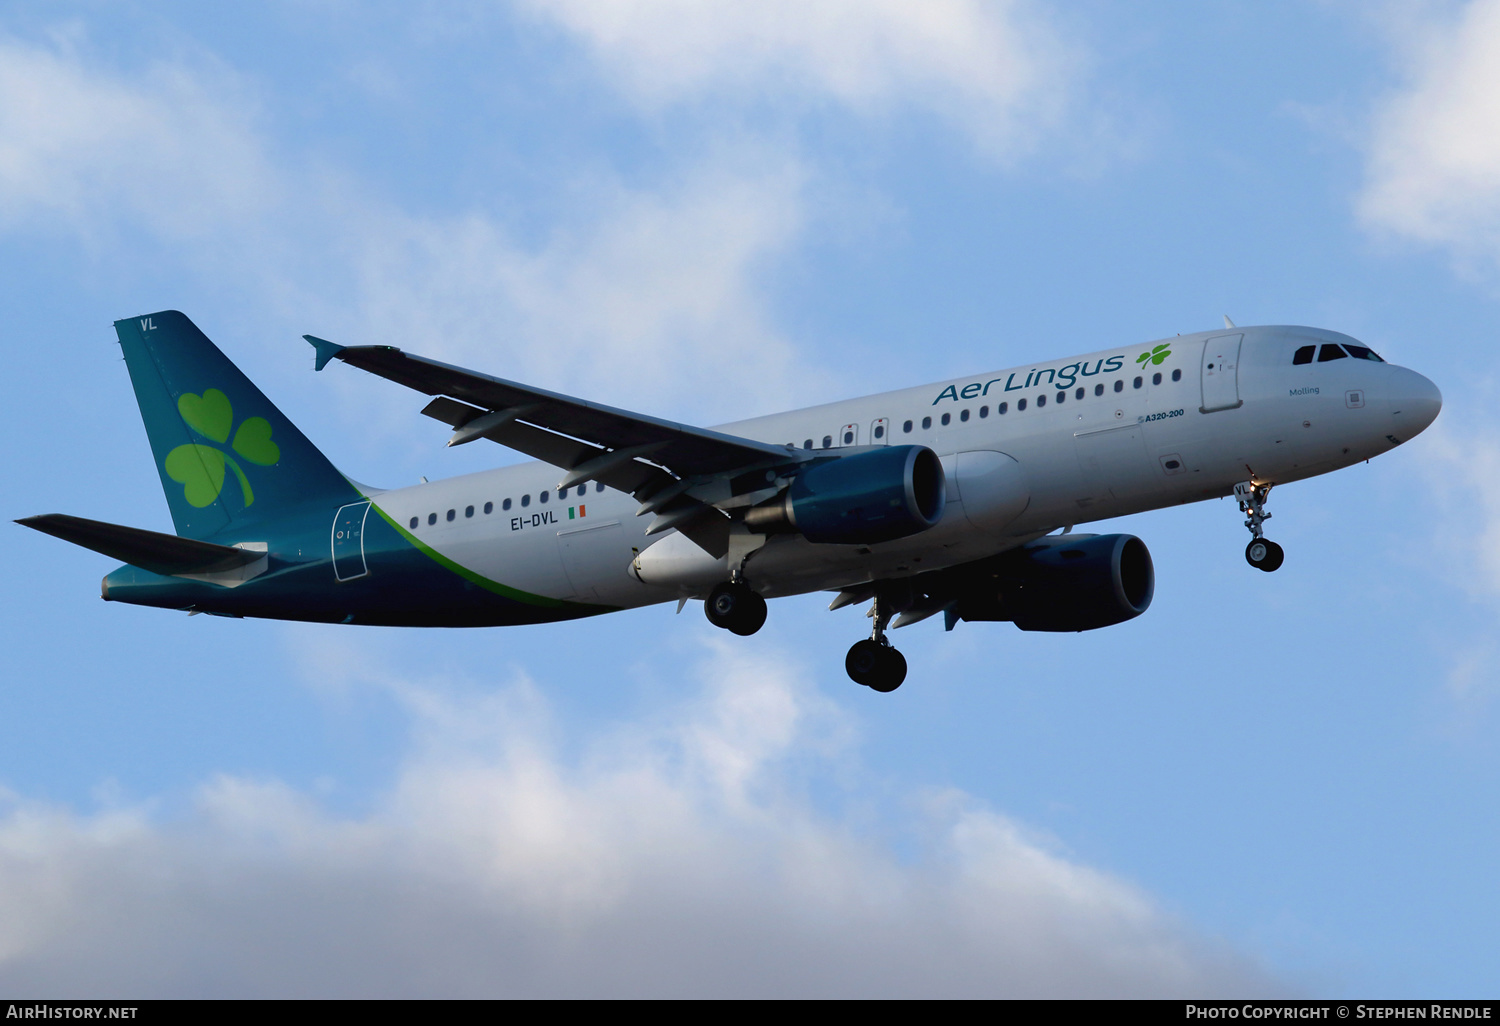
[(683, 474)]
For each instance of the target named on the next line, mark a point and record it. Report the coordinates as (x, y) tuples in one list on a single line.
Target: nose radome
[(1415, 402)]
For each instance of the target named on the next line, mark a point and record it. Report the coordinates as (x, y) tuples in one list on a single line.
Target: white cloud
[(86, 146), (678, 856), (650, 297), (1472, 678), (1433, 170), (1463, 471), (999, 71)]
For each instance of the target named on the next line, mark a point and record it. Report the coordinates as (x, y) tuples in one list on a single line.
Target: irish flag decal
[(580, 512)]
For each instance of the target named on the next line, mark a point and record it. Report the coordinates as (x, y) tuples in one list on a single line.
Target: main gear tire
[(736, 608), (876, 666)]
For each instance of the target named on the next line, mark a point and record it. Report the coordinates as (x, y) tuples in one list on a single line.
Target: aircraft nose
[(1415, 402)]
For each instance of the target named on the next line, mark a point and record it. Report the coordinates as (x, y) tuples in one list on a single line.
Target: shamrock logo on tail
[(200, 468), (1156, 356)]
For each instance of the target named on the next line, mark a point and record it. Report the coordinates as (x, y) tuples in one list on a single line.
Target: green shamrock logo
[(200, 468), (1156, 356)]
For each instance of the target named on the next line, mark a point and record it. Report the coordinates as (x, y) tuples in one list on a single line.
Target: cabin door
[(1220, 373)]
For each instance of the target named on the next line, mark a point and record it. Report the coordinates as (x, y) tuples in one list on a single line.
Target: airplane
[(956, 498)]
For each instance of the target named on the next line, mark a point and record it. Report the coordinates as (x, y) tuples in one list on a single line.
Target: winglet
[(1228, 323), (326, 350)]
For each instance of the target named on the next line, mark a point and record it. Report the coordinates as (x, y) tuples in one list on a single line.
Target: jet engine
[(1067, 583), (861, 499)]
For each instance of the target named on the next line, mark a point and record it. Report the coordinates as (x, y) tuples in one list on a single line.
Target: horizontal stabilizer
[(150, 550)]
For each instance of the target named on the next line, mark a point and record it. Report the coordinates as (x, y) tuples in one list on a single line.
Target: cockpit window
[(1304, 355), (1331, 352), (1361, 353)]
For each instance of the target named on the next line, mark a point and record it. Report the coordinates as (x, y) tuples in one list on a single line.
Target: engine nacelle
[(1069, 583), (861, 499)]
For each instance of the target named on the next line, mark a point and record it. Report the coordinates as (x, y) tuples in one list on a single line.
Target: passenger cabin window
[(1156, 378), (468, 511), (1041, 401), (1304, 355), (1002, 408), (1138, 382), (1177, 374), (964, 416), (542, 497), (947, 419), (598, 486), (984, 411), (1331, 352), (906, 428), (1078, 394), (1119, 386), (1362, 353), (926, 423), (879, 431), (431, 518), (451, 514), (1020, 405), (848, 437), (828, 441), (505, 504), (526, 500), (489, 507), (414, 521), (1098, 389), (807, 442)]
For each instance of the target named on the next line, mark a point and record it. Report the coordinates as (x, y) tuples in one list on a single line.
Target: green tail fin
[(226, 455)]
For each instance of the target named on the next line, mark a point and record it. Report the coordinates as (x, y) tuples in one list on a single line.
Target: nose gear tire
[(1264, 555)]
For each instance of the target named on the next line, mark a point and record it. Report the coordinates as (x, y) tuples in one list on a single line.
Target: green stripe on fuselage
[(515, 594)]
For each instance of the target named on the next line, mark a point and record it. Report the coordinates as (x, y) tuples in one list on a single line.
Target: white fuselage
[(1124, 435)]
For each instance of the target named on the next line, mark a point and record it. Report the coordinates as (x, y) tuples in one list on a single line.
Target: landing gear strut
[(1261, 553), (873, 662), (734, 606)]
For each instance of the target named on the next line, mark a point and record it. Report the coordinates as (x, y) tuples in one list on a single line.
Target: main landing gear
[(873, 662), (734, 606), (1261, 553)]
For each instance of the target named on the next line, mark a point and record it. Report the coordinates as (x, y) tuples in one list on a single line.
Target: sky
[(1274, 784)]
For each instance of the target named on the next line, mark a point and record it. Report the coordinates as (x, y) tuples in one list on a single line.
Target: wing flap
[(630, 476), (685, 449)]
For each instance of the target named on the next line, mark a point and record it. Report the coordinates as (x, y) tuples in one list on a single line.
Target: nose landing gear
[(1261, 553), (873, 662)]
